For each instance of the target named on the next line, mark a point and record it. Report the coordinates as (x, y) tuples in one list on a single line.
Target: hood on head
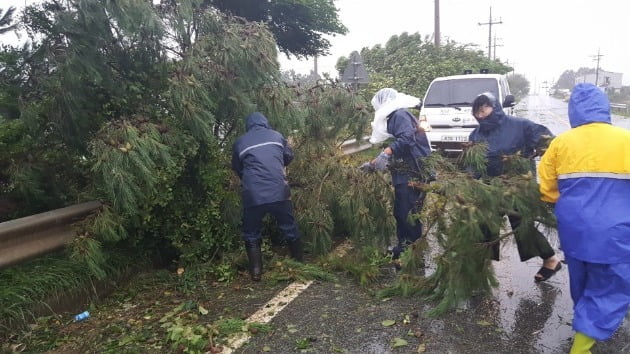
[(588, 104), (386, 101), (497, 107), (383, 96), (256, 119)]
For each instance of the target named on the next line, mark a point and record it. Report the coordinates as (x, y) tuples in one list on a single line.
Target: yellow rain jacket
[(586, 172)]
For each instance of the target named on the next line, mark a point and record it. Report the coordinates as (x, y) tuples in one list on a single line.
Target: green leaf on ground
[(388, 323), (399, 342)]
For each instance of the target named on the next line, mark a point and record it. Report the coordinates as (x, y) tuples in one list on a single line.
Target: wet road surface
[(552, 113)]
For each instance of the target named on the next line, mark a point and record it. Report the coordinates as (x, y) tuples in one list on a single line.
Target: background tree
[(299, 26), (566, 80), (568, 77), (519, 85), (6, 17), (409, 63), (11, 66)]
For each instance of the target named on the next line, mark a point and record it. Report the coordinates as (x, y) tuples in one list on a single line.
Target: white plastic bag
[(386, 101)]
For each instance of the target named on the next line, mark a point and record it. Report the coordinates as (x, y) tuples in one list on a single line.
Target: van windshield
[(459, 92)]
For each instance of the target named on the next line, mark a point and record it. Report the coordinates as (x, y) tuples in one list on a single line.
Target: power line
[(489, 24)]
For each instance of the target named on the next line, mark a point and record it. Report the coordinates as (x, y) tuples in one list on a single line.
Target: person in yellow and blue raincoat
[(586, 173)]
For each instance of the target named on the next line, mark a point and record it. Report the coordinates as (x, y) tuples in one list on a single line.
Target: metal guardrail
[(353, 146), (619, 106), (38, 234)]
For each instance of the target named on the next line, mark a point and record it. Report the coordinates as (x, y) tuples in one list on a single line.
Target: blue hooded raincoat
[(409, 143), (259, 158), (586, 173), (506, 135)]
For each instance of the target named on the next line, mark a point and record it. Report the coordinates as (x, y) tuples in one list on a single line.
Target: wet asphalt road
[(552, 113), (521, 316)]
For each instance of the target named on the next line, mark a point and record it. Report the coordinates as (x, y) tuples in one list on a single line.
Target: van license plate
[(457, 138)]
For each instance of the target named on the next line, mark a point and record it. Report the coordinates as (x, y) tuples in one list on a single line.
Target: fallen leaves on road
[(399, 342), (388, 323)]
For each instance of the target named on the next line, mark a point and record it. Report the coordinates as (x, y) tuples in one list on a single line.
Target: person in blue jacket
[(409, 145), (585, 172), (507, 135), (259, 157)]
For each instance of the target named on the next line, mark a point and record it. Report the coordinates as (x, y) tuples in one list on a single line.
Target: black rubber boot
[(296, 250), (254, 254)]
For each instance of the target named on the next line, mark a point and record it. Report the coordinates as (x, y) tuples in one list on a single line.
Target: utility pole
[(490, 23), (436, 30), (596, 57), (315, 64), (494, 56), (513, 65)]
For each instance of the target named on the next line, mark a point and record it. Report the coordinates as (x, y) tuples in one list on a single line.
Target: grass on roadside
[(28, 289), (192, 308)]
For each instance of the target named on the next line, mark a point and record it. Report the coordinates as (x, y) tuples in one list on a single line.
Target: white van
[(447, 106)]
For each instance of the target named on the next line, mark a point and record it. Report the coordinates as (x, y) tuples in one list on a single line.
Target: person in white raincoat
[(410, 143)]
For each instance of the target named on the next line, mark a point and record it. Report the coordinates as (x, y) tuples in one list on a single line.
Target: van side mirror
[(509, 101), (419, 105)]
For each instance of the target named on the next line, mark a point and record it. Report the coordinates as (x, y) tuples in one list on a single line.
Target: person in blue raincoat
[(507, 135), (410, 143), (259, 157), (585, 172)]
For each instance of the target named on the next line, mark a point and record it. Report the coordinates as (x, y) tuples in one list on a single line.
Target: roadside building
[(609, 81)]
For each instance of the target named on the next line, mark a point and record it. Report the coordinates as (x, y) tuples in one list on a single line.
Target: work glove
[(381, 161), (367, 167)]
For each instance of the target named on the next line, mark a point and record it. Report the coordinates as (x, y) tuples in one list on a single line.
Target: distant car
[(447, 106)]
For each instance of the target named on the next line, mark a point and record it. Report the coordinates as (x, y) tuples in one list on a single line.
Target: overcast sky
[(540, 38)]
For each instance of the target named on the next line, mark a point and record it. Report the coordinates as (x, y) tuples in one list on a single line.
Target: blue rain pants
[(601, 296)]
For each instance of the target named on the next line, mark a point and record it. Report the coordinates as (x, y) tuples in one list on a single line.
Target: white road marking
[(269, 310)]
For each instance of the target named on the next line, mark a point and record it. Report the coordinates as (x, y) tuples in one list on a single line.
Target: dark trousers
[(407, 201), (534, 244), (282, 211)]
